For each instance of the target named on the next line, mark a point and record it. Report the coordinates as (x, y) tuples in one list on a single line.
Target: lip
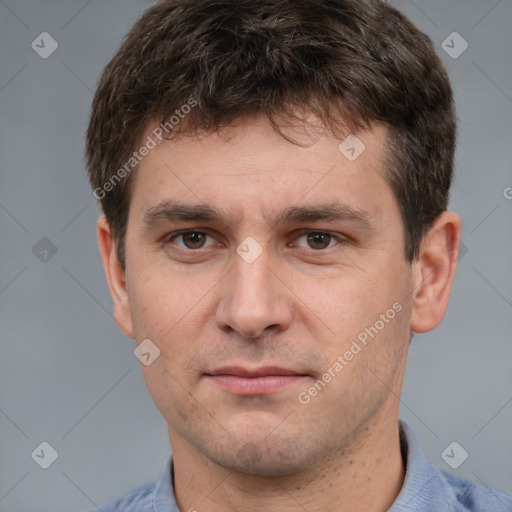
[(258, 381)]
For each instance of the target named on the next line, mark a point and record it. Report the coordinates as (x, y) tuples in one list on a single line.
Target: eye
[(317, 240), (193, 240), (190, 239)]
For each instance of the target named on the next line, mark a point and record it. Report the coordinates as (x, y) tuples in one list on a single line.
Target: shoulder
[(468, 496), (138, 500), (427, 488)]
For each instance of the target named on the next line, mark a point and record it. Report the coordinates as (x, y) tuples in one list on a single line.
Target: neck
[(368, 476)]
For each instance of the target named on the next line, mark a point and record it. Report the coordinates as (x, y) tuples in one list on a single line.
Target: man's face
[(255, 305)]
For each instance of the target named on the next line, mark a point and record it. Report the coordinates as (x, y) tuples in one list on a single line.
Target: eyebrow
[(174, 211)]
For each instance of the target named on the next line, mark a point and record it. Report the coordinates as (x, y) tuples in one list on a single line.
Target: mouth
[(258, 381)]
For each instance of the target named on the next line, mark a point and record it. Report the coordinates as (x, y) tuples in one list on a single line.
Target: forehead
[(253, 133), (250, 166)]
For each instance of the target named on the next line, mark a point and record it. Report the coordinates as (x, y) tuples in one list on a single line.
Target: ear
[(433, 272), (115, 277)]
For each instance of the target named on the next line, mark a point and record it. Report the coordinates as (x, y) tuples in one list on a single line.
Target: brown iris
[(318, 240)]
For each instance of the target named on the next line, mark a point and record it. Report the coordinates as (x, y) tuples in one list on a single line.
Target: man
[(274, 177)]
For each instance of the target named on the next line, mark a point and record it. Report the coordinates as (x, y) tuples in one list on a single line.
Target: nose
[(254, 300)]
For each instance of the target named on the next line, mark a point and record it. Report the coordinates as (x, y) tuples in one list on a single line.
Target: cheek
[(345, 304), (172, 314), (158, 301), (351, 308)]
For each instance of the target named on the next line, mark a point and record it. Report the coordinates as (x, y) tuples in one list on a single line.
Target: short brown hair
[(348, 62)]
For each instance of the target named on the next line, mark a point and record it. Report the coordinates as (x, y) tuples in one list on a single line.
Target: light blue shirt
[(425, 489)]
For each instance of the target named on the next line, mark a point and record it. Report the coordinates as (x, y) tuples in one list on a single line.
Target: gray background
[(68, 375)]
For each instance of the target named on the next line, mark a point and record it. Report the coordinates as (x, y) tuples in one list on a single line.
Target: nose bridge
[(252, 299), (252, 278)]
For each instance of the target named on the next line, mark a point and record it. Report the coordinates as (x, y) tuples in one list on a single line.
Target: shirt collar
[(163, 498), (421, 478)]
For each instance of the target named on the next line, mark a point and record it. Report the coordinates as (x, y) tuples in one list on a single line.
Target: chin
[(260, 454), (254, 460)]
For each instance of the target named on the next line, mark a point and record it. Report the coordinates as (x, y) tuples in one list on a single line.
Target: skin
[(298, 306)]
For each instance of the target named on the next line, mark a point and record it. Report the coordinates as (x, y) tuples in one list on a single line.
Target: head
[(307, 148)]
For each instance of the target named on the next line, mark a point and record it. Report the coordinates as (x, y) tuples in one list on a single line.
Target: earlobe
[(115, 275), (434, 271)]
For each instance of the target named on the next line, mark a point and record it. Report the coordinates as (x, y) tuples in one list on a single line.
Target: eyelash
[(338, 238)]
